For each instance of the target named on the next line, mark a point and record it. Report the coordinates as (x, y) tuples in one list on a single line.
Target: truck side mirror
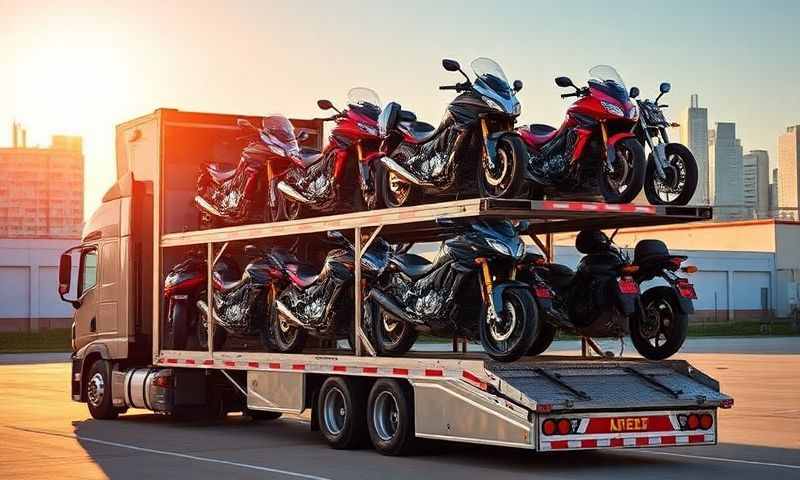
[(64, 274)]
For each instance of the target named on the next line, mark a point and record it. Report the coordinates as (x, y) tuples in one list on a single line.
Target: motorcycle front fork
[(487, 287), (658, 149)]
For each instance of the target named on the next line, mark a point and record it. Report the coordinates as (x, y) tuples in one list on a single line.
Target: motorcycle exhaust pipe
[(290, 192), (401, 172), (284, 311), (203, 203), (389, 305)]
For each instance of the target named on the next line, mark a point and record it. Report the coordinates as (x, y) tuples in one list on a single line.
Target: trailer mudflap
[(580, 384), (627, 429)]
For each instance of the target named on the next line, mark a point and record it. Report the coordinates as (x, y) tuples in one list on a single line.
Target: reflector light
[(630, 269), (540, 291), (689, 269), (692, 422), (163, 381), (686, 289), (549, 427), (706, 421), (627, 285), (564, 426)]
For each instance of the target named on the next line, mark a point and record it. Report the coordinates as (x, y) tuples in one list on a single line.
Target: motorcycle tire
[(395, 340), (385, 198), (685, 157), (634, 180), (287, 338), (179, 322), (673, 324), (220, 334), (543, 341), (511, 184), (525, 326)]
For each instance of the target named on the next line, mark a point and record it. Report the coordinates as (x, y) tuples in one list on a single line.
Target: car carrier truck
[(146, 223)]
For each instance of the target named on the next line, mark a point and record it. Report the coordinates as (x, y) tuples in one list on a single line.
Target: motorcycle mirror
[(564, 82), (664, 87), (517, 85), (523, 226), (325, 104), (451, 65), (634, 92), (244, 123)]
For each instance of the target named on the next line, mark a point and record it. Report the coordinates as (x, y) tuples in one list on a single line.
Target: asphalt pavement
[(45, 435)]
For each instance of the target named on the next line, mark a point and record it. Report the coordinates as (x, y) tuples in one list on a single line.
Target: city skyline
[(89, 70)]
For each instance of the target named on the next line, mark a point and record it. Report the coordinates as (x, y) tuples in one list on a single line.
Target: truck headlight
[(612, 109)]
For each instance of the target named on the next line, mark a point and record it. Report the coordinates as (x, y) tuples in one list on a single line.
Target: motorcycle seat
[(421, 132), (541, 133), (415, 266), (220, 172), (560, 275), (309, 156), (302, 274)]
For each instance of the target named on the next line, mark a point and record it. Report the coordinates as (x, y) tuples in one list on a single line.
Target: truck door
[(85, 318)]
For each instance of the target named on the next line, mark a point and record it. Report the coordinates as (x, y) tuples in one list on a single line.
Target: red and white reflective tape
[(627, 442), (598, 207), (464, 375)]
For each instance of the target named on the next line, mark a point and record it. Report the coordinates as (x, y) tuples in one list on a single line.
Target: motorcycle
[(474, 143), (594, 148), (671, 176), (469, 290), (661, 329), (237, 194), (339, 178), (600, 299), (319, 301)]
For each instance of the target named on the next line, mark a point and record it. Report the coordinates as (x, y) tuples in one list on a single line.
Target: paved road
[(44, 435)]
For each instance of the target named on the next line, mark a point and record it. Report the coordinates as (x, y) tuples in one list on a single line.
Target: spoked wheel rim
[(386, 416), (95, 390), (658, 325), (674, 181), (287, 332), (334, 411), (399, 190), (505, 330), (621, 178), (497, 181), (393, 331)]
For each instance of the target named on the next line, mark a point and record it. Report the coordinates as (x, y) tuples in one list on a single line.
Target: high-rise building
[(694, 134), (773, 194), (45, 197), (755, 171), (789, 165), (725, 171)]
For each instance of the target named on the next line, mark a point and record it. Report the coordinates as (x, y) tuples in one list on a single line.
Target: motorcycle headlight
[(612, 109), (499, 246), (520, 249), (492, 103)]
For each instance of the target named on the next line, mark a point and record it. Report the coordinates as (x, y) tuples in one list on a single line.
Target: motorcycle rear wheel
[(681, 179), (394, 337), (391, 191), (509, 338), (630, 166), (508, 181), (672, 328)]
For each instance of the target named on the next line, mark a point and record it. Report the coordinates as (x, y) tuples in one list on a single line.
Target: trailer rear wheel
[(341, 412), (98, 391), (390, 417)]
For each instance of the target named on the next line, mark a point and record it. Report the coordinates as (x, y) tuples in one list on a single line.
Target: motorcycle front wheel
[(506, 179), (286, 337), (659, 331), (680, 177), (511, 336), (392, 191), (626, 181), (220, 336)]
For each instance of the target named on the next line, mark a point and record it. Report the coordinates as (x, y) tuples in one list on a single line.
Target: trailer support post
[(210, 297)]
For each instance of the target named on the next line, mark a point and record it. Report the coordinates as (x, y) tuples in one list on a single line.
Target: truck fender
[(80, 367)]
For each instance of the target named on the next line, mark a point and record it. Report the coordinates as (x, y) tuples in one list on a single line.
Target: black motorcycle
[(230, 194), (475, 143), (319, 301), (671, 175), (469, 291), (600, 299), (661, 329)]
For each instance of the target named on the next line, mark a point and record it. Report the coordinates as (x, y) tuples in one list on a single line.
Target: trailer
[(540, 403)]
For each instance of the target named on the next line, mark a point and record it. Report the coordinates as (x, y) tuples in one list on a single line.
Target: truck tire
[(259, 415), (390, 417), (98, 391), (342, 413)]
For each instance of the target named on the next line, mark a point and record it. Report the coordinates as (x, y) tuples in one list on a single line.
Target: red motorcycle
[(339, 179), (595, 148)]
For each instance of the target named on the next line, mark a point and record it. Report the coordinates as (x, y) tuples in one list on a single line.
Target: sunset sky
[(83, 67)]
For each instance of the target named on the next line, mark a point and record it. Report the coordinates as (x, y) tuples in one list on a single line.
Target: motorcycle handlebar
[(448, 87)]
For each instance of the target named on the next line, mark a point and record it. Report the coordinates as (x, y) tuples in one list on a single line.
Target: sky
[(82, 67)]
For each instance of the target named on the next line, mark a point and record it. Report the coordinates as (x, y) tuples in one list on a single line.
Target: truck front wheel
[(98, 391)]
